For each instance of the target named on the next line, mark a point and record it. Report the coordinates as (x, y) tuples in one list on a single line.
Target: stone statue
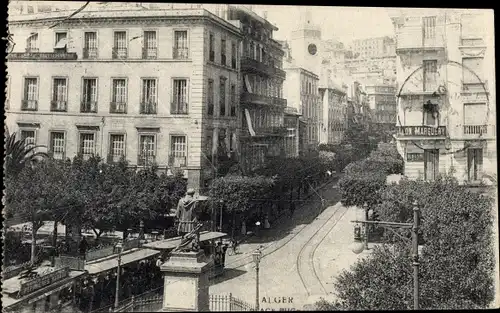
[(191, 240), (187, 214)]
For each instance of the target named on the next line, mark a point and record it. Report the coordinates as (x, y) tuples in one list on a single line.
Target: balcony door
[(431, 164)]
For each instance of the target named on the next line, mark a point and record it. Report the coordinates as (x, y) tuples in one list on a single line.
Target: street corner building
[(175, 87), (446, 94)]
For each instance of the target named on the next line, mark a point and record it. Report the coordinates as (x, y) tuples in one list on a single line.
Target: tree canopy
[(457, 259)]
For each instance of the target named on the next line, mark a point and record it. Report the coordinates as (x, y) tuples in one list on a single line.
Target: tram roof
[(172, 243)]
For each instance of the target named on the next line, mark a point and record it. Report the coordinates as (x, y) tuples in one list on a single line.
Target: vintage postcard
[(165, 157)]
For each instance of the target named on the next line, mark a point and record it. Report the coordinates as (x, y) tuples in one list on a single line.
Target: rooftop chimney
[(264, 15)]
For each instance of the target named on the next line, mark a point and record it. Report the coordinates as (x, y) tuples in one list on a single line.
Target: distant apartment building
[(374, 47), (151, 86), (383, 105), (335, 114), (447, 102), (301, 92)]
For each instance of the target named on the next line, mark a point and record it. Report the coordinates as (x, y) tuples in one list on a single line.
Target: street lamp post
[(415, 257), (117, 290), (256, 258), (365, 207)]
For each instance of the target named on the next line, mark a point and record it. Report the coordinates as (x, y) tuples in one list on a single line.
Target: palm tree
[(18, 154)]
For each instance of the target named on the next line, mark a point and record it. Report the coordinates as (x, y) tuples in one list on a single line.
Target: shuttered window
[(179, 98), (87, 144), (57, 145)]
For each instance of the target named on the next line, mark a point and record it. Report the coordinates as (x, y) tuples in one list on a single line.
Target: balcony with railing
[(149, 53), (90, 53), (145, 159), (58, 106), (57, 155), (475, 129), (181, 53), (114, 158), (118, 107), (88, 107), (119, 53), (177, 161), (148, 108), (178, 107), (29, 105), (267, 68)]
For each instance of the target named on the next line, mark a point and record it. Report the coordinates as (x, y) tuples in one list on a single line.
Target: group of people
[(135, 279)]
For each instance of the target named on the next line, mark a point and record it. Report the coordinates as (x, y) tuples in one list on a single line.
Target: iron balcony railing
[(90, 53), (29, 105), (114, 158), (88, 107), (149, 53), (118, 107), (145, 159), (180, 53), (177, 161), (475, 129), (148, 108), (58, 106), (120, 53), (58, 155)]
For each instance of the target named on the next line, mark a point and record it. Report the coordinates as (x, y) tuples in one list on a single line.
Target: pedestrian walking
[(83, 247)]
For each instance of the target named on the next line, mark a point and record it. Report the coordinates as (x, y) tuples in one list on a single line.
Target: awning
[(247, 84), (61, 44), (106, 265), (249, 123), (172, 243)]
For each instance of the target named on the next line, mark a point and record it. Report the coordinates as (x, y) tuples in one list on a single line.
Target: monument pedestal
[(186, 282)]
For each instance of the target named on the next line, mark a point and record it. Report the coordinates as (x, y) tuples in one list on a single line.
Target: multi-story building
[(262, 77), (302, 93), (447, 102), (374, 47), (335, 122), (149, 85), (382, 104)]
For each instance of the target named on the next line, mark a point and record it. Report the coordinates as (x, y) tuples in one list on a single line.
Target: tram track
[(305, 258), (328, 184)]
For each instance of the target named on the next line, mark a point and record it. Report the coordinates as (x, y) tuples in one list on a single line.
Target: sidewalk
[(282, 232)]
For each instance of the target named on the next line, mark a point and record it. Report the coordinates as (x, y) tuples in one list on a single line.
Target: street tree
[(35, 194), (457, 259)]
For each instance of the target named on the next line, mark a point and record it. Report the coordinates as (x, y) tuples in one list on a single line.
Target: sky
[(342, 23)]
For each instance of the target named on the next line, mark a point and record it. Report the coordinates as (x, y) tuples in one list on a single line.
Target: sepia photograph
[(170, 157)]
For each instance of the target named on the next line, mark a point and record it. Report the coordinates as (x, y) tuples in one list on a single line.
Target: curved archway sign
[(440, 101)]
